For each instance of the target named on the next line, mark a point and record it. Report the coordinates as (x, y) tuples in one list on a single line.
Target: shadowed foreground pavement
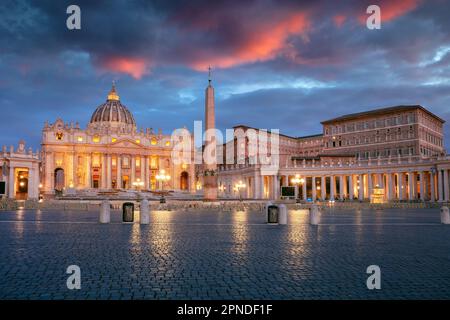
[(188, 255)]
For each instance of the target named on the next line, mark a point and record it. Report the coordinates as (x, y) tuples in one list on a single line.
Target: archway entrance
[(21, 184), (184, 181), (59, 179)]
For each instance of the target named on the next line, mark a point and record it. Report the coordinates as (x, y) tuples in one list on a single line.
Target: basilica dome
[(112, 111)]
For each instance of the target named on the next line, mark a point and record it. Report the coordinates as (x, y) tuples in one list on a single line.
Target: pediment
[(125, 143)]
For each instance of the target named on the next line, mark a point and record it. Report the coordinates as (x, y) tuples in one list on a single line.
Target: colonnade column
[(369, 185), (351, 186), (440, 193), (341, 187), (304, 190), (275, 186), (390, 182), (323, 188), (410, 186), (314, 193), (446, 191), (257, 186), (432, 187), (361, 188), (332, 187), (422, 185), (400, 185)]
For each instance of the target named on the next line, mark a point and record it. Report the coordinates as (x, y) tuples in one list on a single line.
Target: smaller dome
[(113, 111)]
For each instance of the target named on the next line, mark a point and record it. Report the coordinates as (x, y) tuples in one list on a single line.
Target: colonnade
[(402, 185)]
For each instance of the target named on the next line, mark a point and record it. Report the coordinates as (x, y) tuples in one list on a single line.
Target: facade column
[(103, 171), (332, 187), (69, 176), (361, 188), (262, 186), (314, 193), (142, 159), (351, 187), (108, 171), (304, 190), (11, 182), (119, 171), (323, 188), (133, 171), (89, 171), (147, 175), (432, 187), (31, 177), (49, 178), (440, 193), (446, 187), (341, 187), (422, 185), (286, 181), (74, 170)]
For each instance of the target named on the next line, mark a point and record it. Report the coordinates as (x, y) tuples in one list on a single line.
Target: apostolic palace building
[(395, 153)]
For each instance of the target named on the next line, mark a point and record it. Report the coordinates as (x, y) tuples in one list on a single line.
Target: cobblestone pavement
[(205, 255)]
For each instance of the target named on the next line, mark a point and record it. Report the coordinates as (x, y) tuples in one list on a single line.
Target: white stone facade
[(19, 171), (111, 154)]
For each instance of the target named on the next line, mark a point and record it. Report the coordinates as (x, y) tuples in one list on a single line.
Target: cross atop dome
[(112, 95)]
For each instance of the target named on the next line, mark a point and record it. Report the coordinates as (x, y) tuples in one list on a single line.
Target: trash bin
[(273, 213), (128, 212)]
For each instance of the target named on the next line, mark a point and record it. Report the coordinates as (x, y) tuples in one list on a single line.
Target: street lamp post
[(138, 184), (162, 177), (238, 186), (297, 181)]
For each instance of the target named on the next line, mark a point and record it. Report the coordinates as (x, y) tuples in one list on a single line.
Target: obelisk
[(209, 153)]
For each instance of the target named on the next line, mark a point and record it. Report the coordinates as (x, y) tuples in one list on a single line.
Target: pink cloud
[(135, 67), (262, 42)]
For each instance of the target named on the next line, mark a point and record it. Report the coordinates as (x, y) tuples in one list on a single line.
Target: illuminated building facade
[(110, 155)]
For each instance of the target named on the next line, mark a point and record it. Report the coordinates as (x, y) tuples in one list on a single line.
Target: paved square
[(206, 255)]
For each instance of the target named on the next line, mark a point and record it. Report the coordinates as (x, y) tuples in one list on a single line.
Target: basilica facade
[(109, 155)]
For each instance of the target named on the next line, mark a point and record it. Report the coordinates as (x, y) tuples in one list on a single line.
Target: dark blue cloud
[(277, 64)]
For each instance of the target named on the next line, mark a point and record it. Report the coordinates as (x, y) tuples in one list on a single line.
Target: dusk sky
[(276, 64)]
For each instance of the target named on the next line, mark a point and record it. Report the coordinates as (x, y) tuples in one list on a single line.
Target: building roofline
[(311, 136), (380, 111), (268, 131)]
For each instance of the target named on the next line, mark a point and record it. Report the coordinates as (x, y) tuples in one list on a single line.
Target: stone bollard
[(105, 212), (314, 215), (144, 214), (445, 215), (283, 214)]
